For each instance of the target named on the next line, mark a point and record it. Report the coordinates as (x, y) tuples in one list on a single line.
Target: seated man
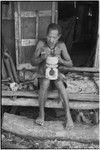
[(44, 49)]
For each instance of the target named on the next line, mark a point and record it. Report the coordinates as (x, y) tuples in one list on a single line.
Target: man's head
[(53, 34)]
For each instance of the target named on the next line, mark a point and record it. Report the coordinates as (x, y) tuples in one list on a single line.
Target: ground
[(21, 142)]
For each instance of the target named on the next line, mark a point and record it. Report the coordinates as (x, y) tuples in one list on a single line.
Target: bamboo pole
[(56, 12), (96, 62), (18, 50), (8, 66), (4, 73), (37, 25), (13, 69)]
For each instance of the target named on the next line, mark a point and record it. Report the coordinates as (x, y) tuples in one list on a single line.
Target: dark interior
[(79, 21)]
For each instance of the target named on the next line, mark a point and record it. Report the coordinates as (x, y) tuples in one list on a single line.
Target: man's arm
[(66, 58), (37, 58)]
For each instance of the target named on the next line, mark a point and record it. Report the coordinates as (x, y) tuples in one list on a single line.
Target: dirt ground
[(10, 140)]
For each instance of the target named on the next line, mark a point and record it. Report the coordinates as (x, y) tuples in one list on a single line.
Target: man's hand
[(43, 55), (60, 60), (6, 55), (64, 62)]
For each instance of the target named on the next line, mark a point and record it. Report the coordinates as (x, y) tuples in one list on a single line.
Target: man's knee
[(60, 86), (58, 83)]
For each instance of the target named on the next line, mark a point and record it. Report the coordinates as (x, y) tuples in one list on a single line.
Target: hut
[(24, 23)]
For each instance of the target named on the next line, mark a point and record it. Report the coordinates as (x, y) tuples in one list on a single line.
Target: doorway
[(79, 22)]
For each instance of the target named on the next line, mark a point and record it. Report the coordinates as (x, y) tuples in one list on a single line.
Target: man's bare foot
[(69, 125), (40, 121)]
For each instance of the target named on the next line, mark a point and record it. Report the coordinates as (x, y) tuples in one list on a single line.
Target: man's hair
[(54, 26)]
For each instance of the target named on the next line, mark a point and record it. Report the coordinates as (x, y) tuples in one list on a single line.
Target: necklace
[(52, 50)]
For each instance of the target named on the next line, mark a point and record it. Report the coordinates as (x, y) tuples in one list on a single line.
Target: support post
[(53, 11)]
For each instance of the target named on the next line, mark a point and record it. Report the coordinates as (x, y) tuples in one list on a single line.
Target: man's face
[(52, 38)]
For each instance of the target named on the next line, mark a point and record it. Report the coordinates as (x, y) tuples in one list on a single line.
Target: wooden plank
[(72, 96), (31, 14), (27, 127), (49, 103), (44, 13), (28, 42)]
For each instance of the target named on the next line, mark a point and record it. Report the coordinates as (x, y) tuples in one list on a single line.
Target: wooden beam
[(49, 103), (51, 129), (32, 14), (79, 69), (52, 95), (28, 42)]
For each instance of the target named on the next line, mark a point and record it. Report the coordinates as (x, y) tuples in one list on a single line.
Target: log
[(53, 95), (51, 129), (49, 103)]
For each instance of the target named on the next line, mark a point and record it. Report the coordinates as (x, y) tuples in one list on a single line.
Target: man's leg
[(44, 84), (62, 90)]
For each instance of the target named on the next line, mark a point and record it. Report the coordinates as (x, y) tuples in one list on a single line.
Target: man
[(52, 47)]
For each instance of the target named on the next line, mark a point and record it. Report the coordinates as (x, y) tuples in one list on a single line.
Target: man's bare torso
[(56, 50)]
